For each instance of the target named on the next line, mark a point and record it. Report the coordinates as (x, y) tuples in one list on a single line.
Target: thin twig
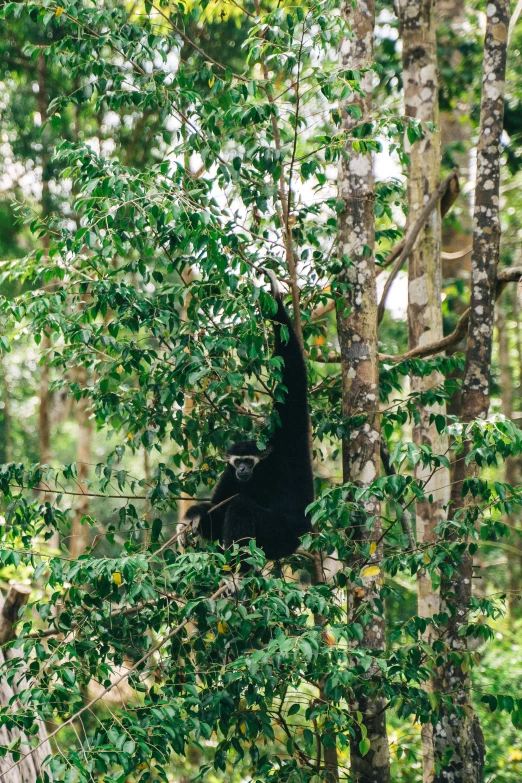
[(97, 494)]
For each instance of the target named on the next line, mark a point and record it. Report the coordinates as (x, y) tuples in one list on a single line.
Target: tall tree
[(458, 740), (357, 331), (418, 23)]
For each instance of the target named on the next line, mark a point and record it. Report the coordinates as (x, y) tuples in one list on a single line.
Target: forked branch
[(446, 193), (511, 274)]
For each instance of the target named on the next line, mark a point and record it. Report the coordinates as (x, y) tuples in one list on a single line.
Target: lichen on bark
[(357, 331), (419, 62), (458, 740)]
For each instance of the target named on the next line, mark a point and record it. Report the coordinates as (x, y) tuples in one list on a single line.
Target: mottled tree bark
[(458, 731), (30, 767), (419, 63), (357, 330)]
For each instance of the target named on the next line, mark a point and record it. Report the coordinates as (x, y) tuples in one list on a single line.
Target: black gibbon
[(274, 486)]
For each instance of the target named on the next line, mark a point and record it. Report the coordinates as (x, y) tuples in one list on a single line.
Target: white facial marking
[(234, 460)]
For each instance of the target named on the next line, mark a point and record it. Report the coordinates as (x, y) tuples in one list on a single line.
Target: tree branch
[(512, 274), (450, 190), (504, 276), (447, 192), (97, 494), (447, 200)]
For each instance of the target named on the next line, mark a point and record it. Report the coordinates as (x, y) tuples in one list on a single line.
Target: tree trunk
[(458, 739), (357, 332), (80, 533), (30, 767), (511, 468), (419, 63)]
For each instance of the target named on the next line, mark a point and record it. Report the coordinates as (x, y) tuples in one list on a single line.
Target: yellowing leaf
[(426, 558), (243, 728), (227, 568), (222, 627), (59, 11), (211, 81), (328, 637), (116, 578), (204, 466), (371, 571), (373, 547)]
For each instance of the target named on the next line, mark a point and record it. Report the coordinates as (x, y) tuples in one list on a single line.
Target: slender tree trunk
[(419, 63), (80, 533), (511, 468), (457, 734), (357, 332)]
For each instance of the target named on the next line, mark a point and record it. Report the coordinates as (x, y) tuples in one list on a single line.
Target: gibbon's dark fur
[(273, 494)]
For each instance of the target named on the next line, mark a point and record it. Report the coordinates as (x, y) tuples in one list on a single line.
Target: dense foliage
[(176, 147)]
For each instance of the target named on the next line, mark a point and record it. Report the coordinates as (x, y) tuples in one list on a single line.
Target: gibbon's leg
[(196, 522), (240, 524), (238, 528), (273, 532)]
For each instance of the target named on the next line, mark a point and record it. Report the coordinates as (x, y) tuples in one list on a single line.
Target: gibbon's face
[(243, 458), (244, 466)]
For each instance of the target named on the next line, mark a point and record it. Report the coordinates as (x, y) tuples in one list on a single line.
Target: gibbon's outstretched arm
[(293, 411)]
